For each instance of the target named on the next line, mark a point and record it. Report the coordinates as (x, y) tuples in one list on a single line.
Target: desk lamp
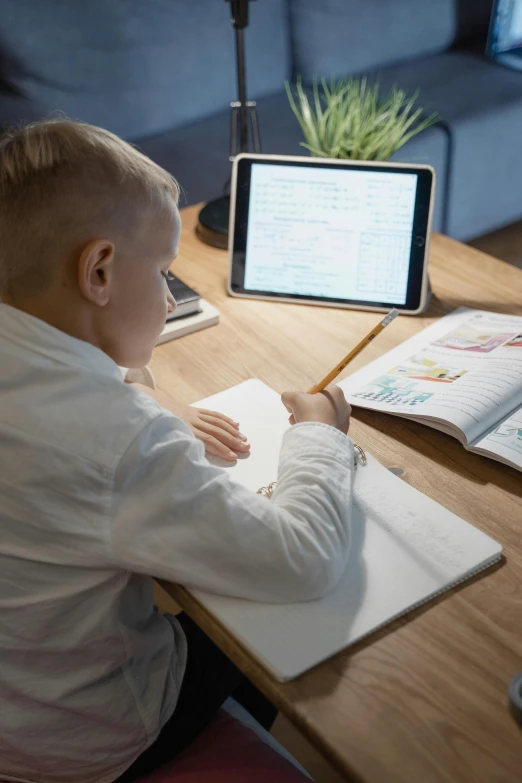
[(212, 227)]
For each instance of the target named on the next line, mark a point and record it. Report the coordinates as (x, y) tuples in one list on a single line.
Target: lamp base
[(212, 227)]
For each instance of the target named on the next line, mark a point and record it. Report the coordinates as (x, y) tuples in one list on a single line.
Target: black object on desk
[(188, 301)]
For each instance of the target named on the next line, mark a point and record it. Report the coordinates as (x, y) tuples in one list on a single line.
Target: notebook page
[(263, 419), (405, 549)]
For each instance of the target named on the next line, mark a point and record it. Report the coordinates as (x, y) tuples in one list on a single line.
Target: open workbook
[(405, 549), (462, 375)]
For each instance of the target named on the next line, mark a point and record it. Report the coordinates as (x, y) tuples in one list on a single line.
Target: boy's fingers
[(289, 399), (220, 416), (209, 432), (220, 424), (213, 446)]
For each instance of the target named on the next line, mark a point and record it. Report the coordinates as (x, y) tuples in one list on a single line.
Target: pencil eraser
[(391, 315)]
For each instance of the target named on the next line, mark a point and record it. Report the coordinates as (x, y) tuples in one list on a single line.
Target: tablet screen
[(329, 232), (347, 232)]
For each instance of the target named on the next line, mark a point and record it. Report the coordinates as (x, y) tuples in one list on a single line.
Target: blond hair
[(63, 183)]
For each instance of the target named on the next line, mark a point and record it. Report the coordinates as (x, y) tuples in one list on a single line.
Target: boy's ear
[(95, 270)]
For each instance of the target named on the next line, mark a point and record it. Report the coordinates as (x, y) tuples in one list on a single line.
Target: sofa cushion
[(138, 68), (480, 104), (197, 155), (341, 37)]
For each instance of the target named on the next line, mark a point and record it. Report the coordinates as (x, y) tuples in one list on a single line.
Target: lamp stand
[(212, 227)]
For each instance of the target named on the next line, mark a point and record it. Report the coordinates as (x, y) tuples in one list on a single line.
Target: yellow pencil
[(354, 352)]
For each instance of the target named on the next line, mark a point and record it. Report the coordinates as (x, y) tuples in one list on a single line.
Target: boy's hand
[(220, 434), (328, 407)]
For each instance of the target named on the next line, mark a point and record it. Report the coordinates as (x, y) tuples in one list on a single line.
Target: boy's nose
[(171, 303)]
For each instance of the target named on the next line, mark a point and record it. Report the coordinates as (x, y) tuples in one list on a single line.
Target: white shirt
[(101, 489)]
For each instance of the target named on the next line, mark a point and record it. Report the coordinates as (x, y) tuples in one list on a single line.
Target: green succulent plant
[(349, 119)]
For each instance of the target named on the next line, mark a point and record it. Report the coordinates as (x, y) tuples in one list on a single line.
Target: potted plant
[(349, 119)]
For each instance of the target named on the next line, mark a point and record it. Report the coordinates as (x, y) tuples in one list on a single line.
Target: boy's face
[(140, 299)]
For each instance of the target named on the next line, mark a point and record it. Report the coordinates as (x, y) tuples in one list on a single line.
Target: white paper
[(405, 548)]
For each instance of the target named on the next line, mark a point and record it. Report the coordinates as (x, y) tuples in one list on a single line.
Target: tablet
[(330, 232)]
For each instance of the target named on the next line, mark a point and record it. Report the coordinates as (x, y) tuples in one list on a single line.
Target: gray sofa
[(161, 74)]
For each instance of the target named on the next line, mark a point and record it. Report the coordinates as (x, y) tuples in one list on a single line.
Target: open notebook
[(461, 375), (405, 550)]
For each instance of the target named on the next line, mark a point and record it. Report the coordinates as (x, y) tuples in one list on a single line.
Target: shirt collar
[(39, 337)]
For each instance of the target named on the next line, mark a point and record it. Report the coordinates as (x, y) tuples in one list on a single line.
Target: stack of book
[(192, 311)]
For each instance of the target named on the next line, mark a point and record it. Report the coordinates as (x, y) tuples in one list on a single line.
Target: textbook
[(405, 549), (462, 375)]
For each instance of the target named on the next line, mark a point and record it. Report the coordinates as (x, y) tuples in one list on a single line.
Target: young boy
[(101, 488)]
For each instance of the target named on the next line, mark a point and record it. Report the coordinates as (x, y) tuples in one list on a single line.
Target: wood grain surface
[(425, 699)]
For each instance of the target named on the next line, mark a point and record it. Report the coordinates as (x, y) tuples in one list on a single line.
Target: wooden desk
[(425, 699)]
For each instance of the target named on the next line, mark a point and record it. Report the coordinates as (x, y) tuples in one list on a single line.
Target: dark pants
[(210, 678)]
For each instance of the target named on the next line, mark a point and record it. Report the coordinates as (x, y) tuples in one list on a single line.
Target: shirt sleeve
[(177, 517), (142, 375)]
